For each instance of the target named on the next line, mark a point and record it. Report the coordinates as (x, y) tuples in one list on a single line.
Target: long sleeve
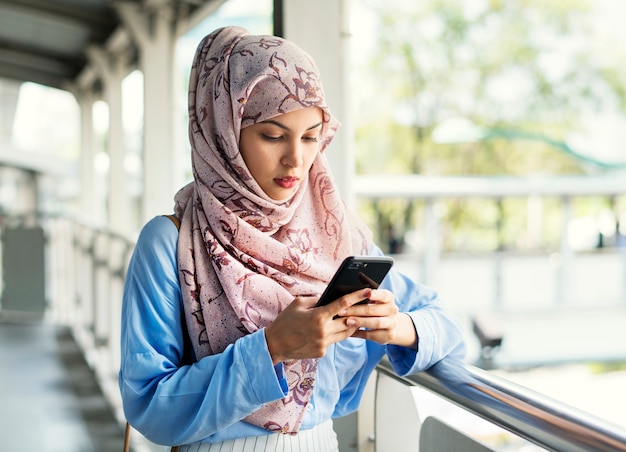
[(175, 403), (439, 336), (167, 402)]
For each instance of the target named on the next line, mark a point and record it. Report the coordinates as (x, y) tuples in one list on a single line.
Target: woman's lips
[(286, 182)]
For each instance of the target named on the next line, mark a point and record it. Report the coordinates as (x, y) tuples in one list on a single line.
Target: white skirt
[(321, 438)]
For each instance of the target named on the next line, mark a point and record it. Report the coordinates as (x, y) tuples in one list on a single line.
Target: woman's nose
[(293, 155)]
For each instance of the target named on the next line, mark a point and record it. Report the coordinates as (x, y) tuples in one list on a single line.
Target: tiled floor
[(49, 399)]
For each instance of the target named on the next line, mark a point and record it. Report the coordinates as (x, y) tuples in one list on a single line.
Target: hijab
[(242, 256)]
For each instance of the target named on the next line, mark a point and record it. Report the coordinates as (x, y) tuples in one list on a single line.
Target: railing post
[(566, 254), (432, 242), (498, 255), (397, 420)]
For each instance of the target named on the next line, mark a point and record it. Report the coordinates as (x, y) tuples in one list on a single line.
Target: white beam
[(415, 186), (135, 21), (40, 163), (205, 9)]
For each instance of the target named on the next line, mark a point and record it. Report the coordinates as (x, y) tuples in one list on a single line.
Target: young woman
[(222, 344)]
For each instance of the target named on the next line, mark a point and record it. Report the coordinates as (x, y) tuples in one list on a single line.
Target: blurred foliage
[(605, 367), (517, 65)]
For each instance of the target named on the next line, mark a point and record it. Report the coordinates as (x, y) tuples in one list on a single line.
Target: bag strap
[(127, 440), (176, 222), (174, 219), (188, 357)]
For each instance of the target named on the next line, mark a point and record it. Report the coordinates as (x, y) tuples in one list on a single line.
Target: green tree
[(523, 72)]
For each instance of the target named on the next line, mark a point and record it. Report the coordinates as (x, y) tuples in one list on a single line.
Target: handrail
[(539, 419)]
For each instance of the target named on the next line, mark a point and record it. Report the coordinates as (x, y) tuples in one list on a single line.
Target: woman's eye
[(271, 138), (313, 139)]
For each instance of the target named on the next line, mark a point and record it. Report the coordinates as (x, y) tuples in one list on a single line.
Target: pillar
[(112, 70), (152, 30), (88, 204)]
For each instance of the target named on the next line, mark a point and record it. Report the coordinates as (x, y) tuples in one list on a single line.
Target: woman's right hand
[(303, 330)]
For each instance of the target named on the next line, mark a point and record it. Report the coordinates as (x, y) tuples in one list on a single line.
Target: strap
[(187, 348), (174, 219), (127, 438)]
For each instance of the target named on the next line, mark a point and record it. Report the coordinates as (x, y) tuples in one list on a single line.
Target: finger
[(380, 336), (343, 333), (308, 301), (372, 309), (379, 329), (374, 298), (340, 305), (381, 296), (370, 323)]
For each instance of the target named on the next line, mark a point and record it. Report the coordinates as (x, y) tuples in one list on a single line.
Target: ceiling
[(46, 41)]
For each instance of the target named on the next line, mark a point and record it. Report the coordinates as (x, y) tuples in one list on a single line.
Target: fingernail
[(351, 322)]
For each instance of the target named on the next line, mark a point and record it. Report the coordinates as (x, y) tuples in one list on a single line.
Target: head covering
[(242, 256)]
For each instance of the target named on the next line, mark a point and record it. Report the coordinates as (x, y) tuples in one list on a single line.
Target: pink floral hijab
[(243, 257)]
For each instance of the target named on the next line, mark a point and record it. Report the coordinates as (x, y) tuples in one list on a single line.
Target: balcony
[(540, 316), (544, 315)]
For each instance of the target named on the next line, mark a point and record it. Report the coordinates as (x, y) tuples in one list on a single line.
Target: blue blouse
[(171, 403)]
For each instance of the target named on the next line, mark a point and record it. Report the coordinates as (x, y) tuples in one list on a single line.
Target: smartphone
[(354, 273)]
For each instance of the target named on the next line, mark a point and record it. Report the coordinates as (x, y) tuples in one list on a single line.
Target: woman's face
[(280, 151)]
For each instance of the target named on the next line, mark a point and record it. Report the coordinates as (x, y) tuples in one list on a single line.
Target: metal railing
[(86, 271), (527, 414)]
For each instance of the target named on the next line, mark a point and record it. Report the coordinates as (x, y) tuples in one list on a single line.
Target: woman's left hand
[(380, 321)]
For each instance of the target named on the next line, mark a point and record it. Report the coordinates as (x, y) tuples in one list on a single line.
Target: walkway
[(49, 399)]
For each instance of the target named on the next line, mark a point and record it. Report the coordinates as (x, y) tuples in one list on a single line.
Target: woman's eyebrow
[(284, 127)]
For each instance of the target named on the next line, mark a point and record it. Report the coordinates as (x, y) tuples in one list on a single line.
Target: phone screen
[(356, 273)]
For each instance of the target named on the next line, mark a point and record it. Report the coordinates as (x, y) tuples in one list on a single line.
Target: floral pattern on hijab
[(243, 257)]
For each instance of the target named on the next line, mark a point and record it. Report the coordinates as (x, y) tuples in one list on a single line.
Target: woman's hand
[(303, 330), (380, 321)]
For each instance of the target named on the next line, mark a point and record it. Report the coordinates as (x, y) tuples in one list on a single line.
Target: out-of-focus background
[(482, 141)]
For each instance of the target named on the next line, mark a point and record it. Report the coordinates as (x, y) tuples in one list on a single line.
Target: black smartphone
[(354, 273)]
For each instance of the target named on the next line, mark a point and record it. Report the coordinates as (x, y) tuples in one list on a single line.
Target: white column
[(324, 32), (153, 32), (9, 95), (88, 202), (112, 71)]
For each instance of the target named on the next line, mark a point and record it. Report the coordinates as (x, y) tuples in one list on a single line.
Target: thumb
[(308, 301)]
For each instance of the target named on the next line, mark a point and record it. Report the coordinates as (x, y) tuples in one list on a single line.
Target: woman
[(221, 339)]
